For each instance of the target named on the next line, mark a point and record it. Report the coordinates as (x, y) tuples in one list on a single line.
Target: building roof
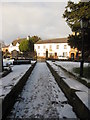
[(57, 40), (17, 41), (6, 46)]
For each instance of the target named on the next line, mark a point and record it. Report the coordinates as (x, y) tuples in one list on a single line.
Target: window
[(44, 47), (44, 54), (57, 47), (38, 54), (50, 46), (65, 46), (65, 54), (38, 47)]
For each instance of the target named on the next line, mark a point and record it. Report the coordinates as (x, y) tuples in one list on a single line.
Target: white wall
[(41, 51), (11, 47)]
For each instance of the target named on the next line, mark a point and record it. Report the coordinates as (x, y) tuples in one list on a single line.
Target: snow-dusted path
[(41, 97), (9, 81)]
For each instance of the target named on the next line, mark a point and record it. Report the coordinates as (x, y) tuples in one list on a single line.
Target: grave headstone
[(1, 60)]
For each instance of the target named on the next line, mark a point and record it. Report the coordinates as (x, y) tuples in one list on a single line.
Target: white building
[(13, 47), (55, 47), (15, 44)]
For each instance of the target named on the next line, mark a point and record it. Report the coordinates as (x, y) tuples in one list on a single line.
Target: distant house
[(5, 48), (12, 49), (52, 48), (74, 54), (55, 48), (14, 46)]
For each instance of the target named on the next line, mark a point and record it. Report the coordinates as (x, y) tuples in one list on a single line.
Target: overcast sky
[(44, 19)]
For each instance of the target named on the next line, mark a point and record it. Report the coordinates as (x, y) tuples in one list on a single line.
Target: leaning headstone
[(1, 60)]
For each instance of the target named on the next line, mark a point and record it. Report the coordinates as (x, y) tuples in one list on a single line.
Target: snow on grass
[(70, 80), (9, 81), (69, 66), (41, 97), (72, 83)]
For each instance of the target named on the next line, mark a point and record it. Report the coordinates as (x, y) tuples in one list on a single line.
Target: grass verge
[(86, 71)]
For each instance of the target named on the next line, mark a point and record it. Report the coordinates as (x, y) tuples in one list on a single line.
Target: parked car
[(62, 57), (7, 61)]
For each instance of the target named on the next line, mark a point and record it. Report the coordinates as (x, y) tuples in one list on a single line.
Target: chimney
[(28, 37), (18, 38)]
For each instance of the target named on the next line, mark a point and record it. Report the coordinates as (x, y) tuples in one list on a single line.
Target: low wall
[(10, 98), (80, 109), (21, 61), (84, 82)]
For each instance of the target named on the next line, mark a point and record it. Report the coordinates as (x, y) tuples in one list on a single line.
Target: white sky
[(19, 19)]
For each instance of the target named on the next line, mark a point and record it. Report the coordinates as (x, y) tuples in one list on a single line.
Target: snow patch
[(9, 81)]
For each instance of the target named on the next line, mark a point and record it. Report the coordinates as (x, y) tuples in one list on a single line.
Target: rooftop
[(6, 46), (56, 40), (17, 41)]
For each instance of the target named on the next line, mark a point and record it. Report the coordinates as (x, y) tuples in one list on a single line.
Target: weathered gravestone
[(1, 60)]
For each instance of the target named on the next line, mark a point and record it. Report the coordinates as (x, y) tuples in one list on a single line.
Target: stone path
[(41, 97)]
